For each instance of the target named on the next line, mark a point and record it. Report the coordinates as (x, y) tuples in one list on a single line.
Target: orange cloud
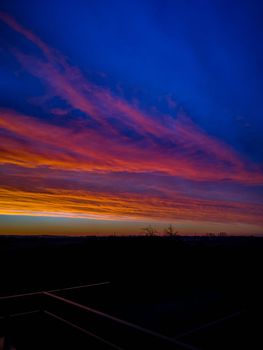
[(37, 143), (81, 204), (155, 143), (189, 152)]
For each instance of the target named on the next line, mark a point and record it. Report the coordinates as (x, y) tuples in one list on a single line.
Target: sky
[(115, 115)]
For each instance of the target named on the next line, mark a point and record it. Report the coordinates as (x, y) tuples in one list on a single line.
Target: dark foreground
[(204, 293)]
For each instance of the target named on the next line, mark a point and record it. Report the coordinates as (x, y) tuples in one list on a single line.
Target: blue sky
[(197, 63)]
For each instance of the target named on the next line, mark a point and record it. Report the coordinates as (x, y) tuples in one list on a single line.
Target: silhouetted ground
[(161, 283)]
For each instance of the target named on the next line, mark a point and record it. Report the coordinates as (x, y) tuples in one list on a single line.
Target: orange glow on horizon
[(64, 159)]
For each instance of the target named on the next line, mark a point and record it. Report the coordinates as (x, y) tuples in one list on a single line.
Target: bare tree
[(222, 234), (170, 231), (149, 230)]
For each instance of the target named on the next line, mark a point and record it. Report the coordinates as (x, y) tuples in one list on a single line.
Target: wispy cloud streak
[(77, 203), (152, 144)]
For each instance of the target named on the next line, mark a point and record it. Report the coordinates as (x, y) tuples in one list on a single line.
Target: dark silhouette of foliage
[(170, 231), (149, 231), (222, 234)]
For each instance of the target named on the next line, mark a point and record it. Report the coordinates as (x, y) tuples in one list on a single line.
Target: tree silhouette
[(169, 231), (149, 230)]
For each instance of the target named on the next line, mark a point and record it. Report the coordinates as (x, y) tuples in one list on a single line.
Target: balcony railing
[(112, 332)]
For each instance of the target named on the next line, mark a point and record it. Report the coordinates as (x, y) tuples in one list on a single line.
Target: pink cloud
[(171, 145)]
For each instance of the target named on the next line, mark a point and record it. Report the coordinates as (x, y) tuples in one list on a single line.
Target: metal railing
[(114, 332)]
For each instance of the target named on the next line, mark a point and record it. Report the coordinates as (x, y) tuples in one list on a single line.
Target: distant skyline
[(116, 115)]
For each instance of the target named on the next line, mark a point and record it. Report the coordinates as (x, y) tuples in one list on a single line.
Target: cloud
[(85, 203), (33, 142), (114, 136)]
